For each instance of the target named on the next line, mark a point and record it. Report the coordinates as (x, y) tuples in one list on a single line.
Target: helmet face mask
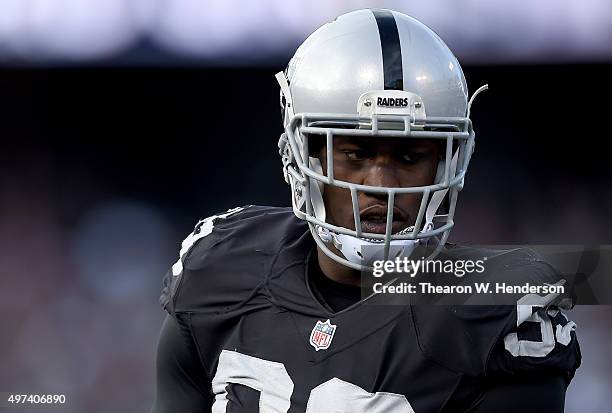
[(311, 109)]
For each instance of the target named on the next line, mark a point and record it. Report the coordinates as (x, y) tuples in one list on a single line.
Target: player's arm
[(181, 384), (525, 394)]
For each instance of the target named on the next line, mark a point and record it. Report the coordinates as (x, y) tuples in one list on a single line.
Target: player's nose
[(382, 172)]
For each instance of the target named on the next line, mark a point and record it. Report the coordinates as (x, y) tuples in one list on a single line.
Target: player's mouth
[(374, 219)]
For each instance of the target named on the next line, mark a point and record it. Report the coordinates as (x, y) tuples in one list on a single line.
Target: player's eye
[(413, 156), (408, 157), (356, 154)]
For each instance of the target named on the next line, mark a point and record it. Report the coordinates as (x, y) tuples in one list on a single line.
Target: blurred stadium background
[(122, 122)]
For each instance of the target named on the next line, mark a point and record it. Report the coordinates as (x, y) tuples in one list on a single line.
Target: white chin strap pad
[(360, 251)]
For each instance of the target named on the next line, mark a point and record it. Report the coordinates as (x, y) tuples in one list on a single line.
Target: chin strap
[(286, 93), (438, 197), (478, 91), (316, 190), (364, 252)]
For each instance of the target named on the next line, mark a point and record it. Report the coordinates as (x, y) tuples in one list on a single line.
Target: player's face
[(388, 162)]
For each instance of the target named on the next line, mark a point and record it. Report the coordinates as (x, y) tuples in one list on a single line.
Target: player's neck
[(336, 271)]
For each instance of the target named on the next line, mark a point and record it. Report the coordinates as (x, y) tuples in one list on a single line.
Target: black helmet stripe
[(391, 49)]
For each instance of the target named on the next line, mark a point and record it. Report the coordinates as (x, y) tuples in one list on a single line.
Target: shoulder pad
[(171, 280), (239, 241)]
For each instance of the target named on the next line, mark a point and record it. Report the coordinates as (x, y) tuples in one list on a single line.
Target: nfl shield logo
[(322, 335)]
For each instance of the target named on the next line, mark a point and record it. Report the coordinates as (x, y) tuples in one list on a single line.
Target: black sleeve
[(181, 384), (524, 394)]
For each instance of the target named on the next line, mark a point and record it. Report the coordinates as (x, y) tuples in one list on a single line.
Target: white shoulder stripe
[(203, 228)]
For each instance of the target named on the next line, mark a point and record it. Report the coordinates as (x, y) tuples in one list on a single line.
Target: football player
[(265, 312)]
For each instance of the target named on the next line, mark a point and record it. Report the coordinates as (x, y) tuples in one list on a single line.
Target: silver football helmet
[(374, 73)]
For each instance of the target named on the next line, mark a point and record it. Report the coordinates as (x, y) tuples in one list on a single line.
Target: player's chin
[(380, 226)]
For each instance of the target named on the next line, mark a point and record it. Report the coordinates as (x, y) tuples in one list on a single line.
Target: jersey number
[(275, 387), (550, 336)]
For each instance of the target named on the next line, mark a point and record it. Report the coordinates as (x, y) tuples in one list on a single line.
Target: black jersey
[(263, 342)]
